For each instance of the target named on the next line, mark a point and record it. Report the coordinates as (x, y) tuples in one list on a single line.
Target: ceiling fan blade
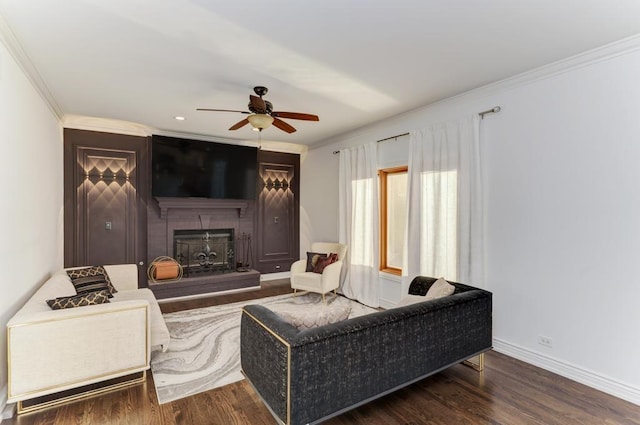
[(283, 125), (222, 110), (258, 104), (239, 124), (296, 116)]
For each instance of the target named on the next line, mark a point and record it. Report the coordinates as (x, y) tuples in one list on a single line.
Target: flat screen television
[(192, 168)]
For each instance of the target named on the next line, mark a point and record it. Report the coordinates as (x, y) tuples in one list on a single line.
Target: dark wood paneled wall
[(108, 198), (106, 191), (278, 218)]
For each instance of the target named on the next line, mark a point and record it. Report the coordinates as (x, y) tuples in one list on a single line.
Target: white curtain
[(444, 236), (358, 225)]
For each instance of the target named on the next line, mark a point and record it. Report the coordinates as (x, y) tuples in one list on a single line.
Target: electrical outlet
[(546, 341)]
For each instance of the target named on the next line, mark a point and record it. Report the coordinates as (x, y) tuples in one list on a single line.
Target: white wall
[(562, 195), (32, 195)]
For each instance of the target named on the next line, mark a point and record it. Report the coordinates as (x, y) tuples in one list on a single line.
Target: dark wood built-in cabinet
[(278, 215)]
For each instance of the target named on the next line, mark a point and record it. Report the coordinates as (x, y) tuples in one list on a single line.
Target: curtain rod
[(493, 110), (489, 111), (392, 137), (382, 140)]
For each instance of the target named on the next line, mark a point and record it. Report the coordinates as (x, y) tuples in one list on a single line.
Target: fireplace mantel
[(166, 204)]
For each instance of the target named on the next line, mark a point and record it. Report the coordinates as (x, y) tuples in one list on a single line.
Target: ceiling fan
[(262, 115)]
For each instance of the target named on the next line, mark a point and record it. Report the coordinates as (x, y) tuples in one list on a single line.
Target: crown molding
[(204, 137), (591, 57), (106, 125), (8, 38), (270, 145), (285, 147), (581, 60)]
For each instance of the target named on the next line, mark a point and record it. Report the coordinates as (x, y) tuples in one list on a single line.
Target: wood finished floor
[(508, 392)]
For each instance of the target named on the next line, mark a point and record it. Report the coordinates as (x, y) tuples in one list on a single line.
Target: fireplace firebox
[(207, 251)]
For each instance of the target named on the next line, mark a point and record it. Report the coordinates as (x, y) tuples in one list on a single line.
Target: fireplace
[(208, 251), (205, 230)]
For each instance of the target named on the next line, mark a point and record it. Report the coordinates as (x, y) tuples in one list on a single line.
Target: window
[(393, 217)]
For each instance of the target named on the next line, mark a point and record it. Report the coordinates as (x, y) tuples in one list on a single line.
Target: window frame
[(383, 174)]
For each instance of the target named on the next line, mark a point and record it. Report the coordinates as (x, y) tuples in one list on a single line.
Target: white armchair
[(328, 281)]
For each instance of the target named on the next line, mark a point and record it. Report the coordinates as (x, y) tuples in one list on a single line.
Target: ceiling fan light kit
[(260, 121), (262, 115)]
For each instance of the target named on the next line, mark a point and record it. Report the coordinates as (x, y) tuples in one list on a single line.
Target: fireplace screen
[(204, 251)]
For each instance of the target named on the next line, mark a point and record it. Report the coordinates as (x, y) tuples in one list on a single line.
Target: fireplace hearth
[(201, 252)]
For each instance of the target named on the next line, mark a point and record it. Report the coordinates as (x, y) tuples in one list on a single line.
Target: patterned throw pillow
[(89, 298), (91, 279), (324, 262), (312, 259)]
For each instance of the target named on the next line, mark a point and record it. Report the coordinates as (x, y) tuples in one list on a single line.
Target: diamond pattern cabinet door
[(278, 216)]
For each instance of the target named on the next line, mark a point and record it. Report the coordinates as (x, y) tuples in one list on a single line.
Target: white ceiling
[(352, 62)]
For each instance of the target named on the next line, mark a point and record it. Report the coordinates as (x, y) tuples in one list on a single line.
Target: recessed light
[(180, 118)]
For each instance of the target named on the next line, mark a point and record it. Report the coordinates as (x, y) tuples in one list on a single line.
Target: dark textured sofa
[(311, 375)]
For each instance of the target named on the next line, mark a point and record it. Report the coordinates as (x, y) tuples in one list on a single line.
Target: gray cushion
[(305, 316)]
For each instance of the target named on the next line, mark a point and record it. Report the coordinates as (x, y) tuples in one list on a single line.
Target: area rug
[(204, 351)]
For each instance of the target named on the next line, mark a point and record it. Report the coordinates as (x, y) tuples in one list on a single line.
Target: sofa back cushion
[(123, 276)]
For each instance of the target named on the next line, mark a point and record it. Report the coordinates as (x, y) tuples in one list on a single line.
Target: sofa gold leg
[(476, 362)]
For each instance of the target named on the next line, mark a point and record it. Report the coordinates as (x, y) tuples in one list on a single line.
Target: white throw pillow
[(440, 288)]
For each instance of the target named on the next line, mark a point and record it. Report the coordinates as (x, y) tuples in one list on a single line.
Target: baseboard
[(583, 376), (274, 276), (6, 410)]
